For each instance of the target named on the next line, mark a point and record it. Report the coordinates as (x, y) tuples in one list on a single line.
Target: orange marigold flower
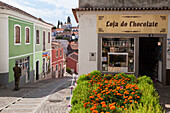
[(125, 108), (138, 96), (102, 102), (122, 106), (112, 107), (107, 112), (130, 100), (97, 99), (94, 111), (136, 101), (91, 109), (91, 97), (133, 93), (104, 105)]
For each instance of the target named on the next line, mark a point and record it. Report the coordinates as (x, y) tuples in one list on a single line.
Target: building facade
[(124, 36), (18, 45), (58, 68), (72, 62)]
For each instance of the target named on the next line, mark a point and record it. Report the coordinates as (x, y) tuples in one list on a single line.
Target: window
[(56, 53), (27, 35), (43, 40), (48, 37), (17, 35), (60, 52), (37, 36), (118, 54), (57, 67)]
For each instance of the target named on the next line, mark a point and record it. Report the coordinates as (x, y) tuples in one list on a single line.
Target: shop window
[(37, 36), (56, 53), (17, 34), (48, 37), (60, 53), (27, 35), (118, 54)]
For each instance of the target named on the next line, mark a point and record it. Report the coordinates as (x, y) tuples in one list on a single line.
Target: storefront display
[(118, 54), (24, 65)]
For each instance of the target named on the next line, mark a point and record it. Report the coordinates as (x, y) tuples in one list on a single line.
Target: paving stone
[(31, 102)]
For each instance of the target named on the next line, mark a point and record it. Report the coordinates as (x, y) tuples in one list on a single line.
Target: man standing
[(17, 74)]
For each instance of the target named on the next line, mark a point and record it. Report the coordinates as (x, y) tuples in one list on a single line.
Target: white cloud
[(61, 11)]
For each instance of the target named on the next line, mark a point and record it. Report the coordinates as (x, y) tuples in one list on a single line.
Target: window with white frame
[(48, 37), (56, 53), (17, 34), (60, 52), (37, 36), (27, 35)]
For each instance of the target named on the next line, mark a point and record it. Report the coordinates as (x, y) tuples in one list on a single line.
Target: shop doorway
[(149, 57), (43, 67), (37, 70)]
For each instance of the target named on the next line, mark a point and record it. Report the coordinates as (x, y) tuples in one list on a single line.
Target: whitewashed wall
[(87, 43), (168, 36), (4, 48), (88, 37)]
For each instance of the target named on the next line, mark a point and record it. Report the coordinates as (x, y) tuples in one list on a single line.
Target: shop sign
[(147, 24), (45, 54)]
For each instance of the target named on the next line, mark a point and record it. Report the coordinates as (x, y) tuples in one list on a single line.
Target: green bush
[(87, 84), (68, 70)]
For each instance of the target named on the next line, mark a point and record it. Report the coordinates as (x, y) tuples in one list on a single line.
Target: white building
[(125, 37)]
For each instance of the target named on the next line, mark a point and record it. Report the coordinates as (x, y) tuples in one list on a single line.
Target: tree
[(58, 23), (54, 28), (61, 23), (68, 20), (59, 37)]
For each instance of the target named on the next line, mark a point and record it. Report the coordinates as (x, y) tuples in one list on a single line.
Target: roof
[(73, 56), (119, 9), (59, 29), (123, 3), (56, 45), (76, 33), (9, 7), (75, 28)]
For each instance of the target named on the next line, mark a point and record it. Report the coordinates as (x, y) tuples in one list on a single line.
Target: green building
[(25, 40)]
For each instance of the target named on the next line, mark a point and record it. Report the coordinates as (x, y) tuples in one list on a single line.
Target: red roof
[(59, 29), (74, 56)]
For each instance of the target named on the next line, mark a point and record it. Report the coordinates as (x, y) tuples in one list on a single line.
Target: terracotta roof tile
[(74, 56)]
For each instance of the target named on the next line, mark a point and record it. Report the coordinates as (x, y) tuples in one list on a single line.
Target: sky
[(49, 10)]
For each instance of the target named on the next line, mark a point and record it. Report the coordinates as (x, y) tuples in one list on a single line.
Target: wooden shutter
[(27, 35), (17, 34)]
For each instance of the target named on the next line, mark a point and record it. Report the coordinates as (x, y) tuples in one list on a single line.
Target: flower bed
[(114, 94)]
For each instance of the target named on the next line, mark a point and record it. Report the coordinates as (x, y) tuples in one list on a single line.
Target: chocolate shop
[(129, 40)]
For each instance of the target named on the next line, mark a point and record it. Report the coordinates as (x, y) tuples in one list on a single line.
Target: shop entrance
[(149, 57)]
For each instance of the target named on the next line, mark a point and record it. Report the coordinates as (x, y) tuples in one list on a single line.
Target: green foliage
[(82, 78), (59, 37), (87, 84), (68, 70)]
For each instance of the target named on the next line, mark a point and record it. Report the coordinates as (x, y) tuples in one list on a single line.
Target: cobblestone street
[(46, 96)]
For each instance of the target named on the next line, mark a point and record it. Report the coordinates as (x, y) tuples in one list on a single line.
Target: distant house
[(64, 43), (72, 62), (58, 68), (72, 47)]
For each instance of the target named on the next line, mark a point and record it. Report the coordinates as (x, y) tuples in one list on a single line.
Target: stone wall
[(123, 3)]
